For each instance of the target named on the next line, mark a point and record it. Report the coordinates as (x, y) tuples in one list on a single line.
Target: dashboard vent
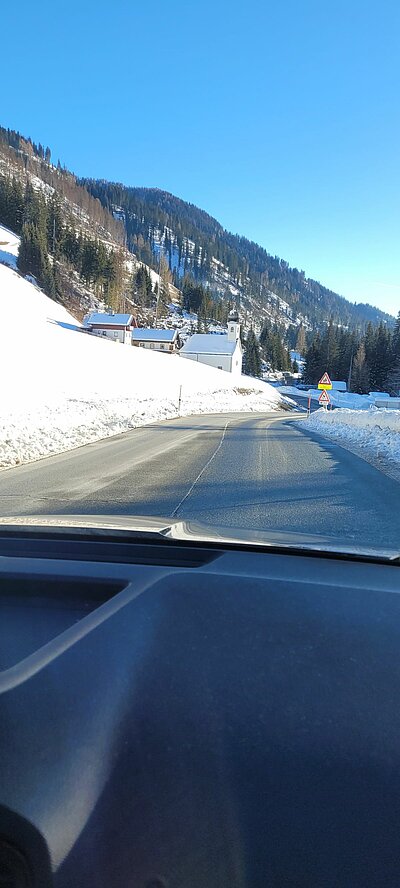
[(14, 871)]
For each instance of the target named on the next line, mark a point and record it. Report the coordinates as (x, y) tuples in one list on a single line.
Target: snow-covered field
[(62, 388), (9, 246), (376, 431)]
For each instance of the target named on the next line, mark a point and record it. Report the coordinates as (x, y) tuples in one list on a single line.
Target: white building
[(222, 351), (117, 327), (167, 341)]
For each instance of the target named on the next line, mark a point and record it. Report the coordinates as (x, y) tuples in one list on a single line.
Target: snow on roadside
[(338, 399), (66, 423), (376, 431), (62, 388)]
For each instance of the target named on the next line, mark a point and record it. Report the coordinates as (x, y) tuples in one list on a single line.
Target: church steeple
[(233, 326)]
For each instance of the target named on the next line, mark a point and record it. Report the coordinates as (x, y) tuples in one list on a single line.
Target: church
[(223, 351)]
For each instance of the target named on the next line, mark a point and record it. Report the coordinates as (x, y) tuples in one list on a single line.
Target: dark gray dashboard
[(191, 716)]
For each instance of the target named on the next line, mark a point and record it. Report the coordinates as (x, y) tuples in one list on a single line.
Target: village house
[(166, 341), (223, 351), (117, 327)]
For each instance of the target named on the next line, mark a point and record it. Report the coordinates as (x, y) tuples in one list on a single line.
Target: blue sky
[(280, 119)]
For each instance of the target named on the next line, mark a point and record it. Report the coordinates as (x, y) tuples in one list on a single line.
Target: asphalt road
[(254, 471), (303, 402)]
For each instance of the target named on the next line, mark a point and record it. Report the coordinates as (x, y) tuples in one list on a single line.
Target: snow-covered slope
[(9, 246), (62, 387)]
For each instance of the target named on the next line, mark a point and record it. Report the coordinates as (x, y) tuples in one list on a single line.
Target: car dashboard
[(196, 715)]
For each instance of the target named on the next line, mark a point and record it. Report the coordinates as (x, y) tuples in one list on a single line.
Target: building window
[(152, 345), (115, 332), (161, 348), (104, 332)]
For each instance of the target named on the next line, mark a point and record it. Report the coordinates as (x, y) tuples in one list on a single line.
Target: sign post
[(324, 399)]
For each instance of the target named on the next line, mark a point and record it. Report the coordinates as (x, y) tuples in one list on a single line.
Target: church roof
[(208, 344)]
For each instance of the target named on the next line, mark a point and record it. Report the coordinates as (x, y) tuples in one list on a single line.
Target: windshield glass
[(156, 364)]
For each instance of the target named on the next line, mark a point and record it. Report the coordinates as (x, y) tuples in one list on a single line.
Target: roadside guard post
[(324, 399)]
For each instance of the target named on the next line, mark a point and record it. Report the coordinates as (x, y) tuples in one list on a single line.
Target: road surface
[(302, 401), (255, 471)]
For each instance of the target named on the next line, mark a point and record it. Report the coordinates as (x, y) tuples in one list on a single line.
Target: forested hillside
[(71, 245), (229, 265), (93, 242), (370, 362)]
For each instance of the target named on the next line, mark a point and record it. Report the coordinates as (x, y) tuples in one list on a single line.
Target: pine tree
[(360, 374), (11, 204), (370, 353), (252, 359), (29, 250), (113, 274), (381, 359), (301, 340), (72, 248), (47, 280), (273, 349), (396, 342), (55, 227), (265, 336), (163, 297), (347, 348), (142, 289), (329, 349), (192, 294), (312, 369), (33, 258), (393, 379)]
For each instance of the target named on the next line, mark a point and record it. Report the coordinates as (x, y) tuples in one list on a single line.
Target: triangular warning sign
[(325, 380), (324, 398)]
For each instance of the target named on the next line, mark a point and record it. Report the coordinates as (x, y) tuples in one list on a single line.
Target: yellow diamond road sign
[(325, 382)]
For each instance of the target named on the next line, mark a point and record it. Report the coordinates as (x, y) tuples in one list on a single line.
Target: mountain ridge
[(252, 273), (152, 227)]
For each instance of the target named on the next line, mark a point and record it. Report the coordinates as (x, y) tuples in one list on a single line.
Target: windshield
[(156, 364)]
